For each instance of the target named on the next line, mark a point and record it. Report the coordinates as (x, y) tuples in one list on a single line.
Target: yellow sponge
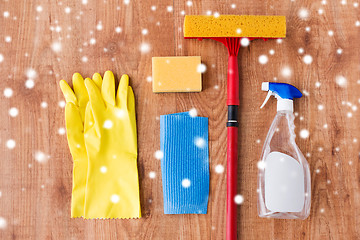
[(176, 74), (235, 26)]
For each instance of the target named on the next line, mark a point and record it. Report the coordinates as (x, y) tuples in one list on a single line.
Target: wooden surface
[(35, 197)]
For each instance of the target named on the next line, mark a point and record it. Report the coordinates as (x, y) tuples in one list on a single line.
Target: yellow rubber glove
[(112, 187), (76, 103)]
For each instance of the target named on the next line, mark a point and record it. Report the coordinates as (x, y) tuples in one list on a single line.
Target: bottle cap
[(283, 92)]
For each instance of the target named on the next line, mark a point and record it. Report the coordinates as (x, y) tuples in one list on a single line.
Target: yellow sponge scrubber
[(235, 26)]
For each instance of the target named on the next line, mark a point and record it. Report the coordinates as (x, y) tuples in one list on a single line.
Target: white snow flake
[(29, 83), (13, 112), (144, 31), (92, 41), (304, 133), (159, 154), (118, 29), (244, 42), (303, 13), (103, 169), (1, 58), (219, 168), (67, 10), (56, 46), (200, 142), (10, 144), (341, 81), (44, 104), (99, 26), (3, 223), (8, 39), (261, 165), (61, 131), (41, 157), (239, 199), (8, 92), (62, 104), (152, 174), (201, 68), (193, 112), (115, 198), (186, 183), (286, 71), (108, 124), (263, 59), (84, 59), (144, 47), (307, 59), (169, 8), (31, 73)]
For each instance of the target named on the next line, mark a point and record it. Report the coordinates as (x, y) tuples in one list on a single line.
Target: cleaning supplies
[(229, 29), (107, 135), (176, 74), (284, 184), (185, 163)]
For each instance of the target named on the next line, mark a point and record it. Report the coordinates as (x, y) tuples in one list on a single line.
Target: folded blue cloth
[(185, 163)]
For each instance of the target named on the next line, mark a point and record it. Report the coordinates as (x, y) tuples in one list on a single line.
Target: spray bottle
[(284, 184)]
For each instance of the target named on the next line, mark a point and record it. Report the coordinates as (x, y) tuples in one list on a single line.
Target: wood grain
[(35, 197)]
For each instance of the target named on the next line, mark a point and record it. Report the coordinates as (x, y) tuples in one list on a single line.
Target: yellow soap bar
[(235, 26), (176, 74)]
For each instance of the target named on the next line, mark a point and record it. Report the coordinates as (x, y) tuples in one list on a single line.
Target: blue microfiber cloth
[(185, 163)]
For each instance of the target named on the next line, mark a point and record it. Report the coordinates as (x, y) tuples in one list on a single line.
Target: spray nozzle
[(283, 92)]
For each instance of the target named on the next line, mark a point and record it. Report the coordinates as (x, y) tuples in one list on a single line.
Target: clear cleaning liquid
[(284, 183)]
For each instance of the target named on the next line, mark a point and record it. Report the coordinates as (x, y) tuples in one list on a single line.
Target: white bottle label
[(284, 183)]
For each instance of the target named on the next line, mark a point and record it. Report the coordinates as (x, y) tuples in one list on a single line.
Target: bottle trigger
[(267, 98)]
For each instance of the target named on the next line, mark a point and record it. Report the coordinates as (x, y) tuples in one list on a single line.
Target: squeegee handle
[(232, 147)]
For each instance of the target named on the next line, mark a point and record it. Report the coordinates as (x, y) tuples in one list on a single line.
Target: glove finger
[(89, 118), (97, 79), (122, 92), (108, 88), (80, 90), (74, 127), (130, 100), (68, 92), (96, 101)]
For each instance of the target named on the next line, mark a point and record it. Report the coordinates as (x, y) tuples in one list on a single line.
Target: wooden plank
[(54, 38)]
